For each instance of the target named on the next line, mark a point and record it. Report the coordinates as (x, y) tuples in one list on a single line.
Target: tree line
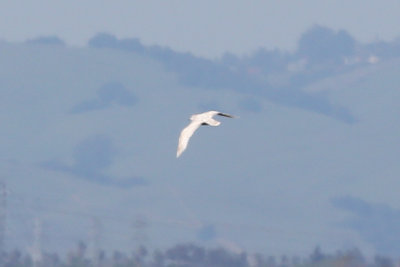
[(188, 255)]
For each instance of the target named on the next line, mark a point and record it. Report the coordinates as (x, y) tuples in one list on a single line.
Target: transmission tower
[(95, 232), (3, 216), (36, 250), (140, 225)]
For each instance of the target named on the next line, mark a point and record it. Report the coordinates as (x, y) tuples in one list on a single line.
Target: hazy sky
[(206, 27)]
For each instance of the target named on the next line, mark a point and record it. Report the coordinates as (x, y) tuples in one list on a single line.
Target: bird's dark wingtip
[(226, 115)]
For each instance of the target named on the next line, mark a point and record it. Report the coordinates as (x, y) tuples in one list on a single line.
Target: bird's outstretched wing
[(186, 133)]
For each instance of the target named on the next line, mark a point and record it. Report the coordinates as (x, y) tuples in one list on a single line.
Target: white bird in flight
[(197, 120)]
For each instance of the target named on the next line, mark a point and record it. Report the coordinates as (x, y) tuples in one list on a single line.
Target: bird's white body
[(197, 120)]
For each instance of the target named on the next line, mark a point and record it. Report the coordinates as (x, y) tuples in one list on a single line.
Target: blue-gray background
[(94, 95)]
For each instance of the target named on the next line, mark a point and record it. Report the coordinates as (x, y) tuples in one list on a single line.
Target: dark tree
[(46, 40), (103, 40), (322, 45)]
